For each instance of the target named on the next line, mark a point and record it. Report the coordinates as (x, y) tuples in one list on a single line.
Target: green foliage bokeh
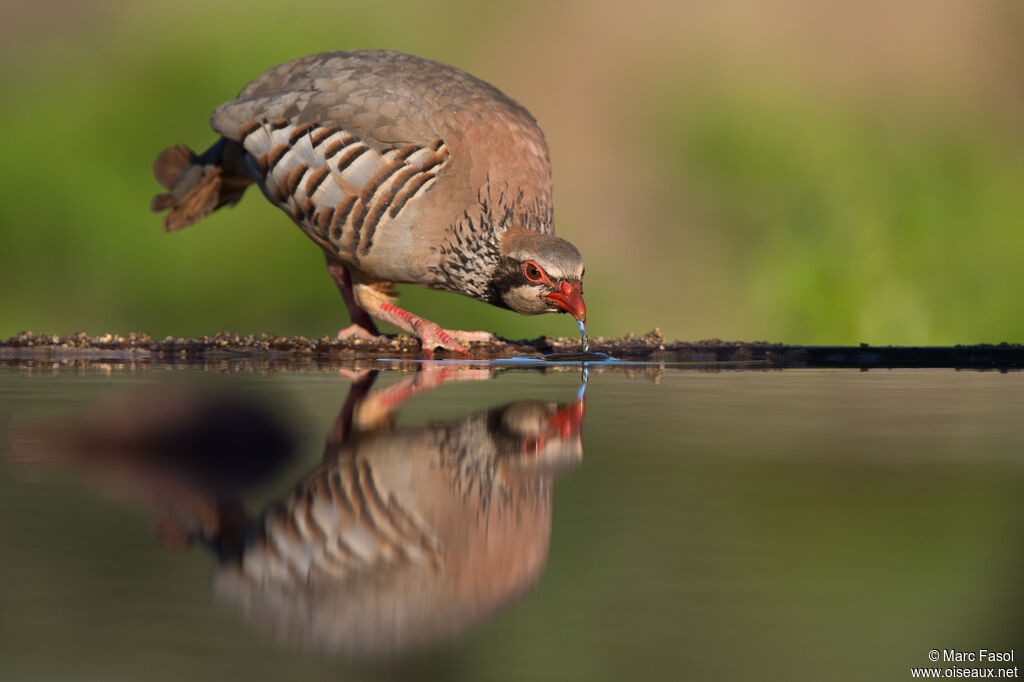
[(857, 231), (805, 220)]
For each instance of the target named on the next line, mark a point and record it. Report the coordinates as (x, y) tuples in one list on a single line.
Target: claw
[(470, 337), (358, 331), (432, 336)]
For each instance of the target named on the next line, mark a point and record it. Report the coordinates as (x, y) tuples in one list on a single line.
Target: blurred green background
[(790, 171)]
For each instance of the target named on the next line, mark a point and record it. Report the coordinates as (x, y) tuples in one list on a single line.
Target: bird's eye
[(533, 271)]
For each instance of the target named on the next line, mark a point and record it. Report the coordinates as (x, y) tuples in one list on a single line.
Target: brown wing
[(348, 142)]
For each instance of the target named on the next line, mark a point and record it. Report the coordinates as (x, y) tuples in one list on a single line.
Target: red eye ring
[(533, 272)]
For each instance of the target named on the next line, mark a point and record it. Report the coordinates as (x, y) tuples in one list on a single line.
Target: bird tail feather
[(198, 185)]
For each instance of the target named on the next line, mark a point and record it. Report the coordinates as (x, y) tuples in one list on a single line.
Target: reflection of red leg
[(362, 324), (342, 430), (429, 376)]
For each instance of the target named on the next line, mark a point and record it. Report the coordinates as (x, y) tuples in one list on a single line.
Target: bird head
[(539, 273)]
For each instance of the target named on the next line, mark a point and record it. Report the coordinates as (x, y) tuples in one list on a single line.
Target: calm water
[(463, 523)]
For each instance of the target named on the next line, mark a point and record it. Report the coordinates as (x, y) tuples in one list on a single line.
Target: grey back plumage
[(383, 96), (387, 161)]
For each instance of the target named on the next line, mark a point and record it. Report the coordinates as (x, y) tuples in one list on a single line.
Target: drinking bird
[(402, 170)]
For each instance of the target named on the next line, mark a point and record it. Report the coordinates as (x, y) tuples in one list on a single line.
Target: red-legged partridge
[(402, 170)]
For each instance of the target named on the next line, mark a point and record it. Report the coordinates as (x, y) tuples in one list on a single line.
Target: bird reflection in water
[(402, 537), (407, 536)]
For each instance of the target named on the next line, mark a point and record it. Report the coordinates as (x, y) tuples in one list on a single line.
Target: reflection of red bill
[(567, 421)]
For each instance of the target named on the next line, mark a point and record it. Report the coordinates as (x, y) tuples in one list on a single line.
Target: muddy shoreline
[(268, 351)]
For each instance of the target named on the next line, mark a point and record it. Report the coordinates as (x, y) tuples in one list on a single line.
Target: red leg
[(362, 324), (431, 335), (363, 301)]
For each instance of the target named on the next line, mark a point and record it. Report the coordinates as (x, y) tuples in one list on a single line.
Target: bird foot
[(357, 331), (431, 336), (429, 333), (470, 337)]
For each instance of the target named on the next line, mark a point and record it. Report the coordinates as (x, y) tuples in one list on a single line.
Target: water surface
[(500, 523)]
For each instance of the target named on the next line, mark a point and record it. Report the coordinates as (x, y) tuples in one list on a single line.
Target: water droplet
[(584, 339)]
